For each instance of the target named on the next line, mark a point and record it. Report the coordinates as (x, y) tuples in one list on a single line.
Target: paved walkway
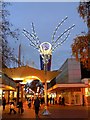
[(56, 112)]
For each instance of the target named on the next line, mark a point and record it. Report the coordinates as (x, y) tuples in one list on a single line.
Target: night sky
[(45, 16)]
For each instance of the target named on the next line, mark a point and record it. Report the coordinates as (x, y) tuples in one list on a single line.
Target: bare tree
[(6, 53)]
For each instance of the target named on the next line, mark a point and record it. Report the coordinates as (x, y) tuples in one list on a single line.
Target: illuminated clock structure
[(45, 48)]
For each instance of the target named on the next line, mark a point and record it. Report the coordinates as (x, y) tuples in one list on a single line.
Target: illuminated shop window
[(87, 92)]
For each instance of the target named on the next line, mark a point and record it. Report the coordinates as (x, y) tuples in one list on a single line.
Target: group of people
[(52, 100), (12, 106), (36, 104), (20, 106), (61, 101)]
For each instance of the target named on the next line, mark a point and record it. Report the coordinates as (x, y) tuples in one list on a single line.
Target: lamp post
[(45, 52), (45, 49)]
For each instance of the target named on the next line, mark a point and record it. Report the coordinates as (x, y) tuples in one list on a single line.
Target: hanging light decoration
[(55, 43)]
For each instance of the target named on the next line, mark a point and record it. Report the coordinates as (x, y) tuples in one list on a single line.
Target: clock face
[(45, 46)]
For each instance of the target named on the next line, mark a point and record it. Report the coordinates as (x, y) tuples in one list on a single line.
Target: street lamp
[(45, 52), (45, 49)]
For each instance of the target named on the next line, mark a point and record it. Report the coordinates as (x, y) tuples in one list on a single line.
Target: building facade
[(7, 87), (70, 85)]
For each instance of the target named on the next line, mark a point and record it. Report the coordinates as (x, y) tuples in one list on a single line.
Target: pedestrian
[(29, 102), (50, 100), (53, 100), (60, 101), (37, 105), (83, 101), (3, 102), (63, 101), (20, 106), (12, 107)]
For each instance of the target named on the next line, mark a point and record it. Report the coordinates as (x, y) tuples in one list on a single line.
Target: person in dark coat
[(50, 100), (37, 105), (83, 102), (3, 102), (60, 100), (53, 100), (63, 101), (20, 106)]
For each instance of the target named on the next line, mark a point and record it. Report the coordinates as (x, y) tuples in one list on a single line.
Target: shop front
[(73, 93), (7, 87)]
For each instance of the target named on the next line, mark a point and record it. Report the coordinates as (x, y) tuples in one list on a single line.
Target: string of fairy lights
[(53, 36), (32, 37), (35, 42)]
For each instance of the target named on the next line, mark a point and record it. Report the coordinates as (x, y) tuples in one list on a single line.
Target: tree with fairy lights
[(81, 45)]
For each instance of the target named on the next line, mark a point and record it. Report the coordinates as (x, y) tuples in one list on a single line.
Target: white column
[(22, 93)]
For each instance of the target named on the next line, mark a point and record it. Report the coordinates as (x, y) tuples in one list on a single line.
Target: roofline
[(69, 85)]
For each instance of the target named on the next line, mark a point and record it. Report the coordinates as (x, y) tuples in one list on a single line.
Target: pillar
[(82, 95), (74, 98), (17, 90), (22, 92)]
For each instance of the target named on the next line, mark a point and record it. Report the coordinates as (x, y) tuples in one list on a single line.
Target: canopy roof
[(26, 73), (67, 87)]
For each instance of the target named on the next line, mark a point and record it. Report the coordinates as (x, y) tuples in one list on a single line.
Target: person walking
[(12, 107), (29, 102), (83, 101), (37, 105), (50, 100), (20, 106), (3, 103)]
